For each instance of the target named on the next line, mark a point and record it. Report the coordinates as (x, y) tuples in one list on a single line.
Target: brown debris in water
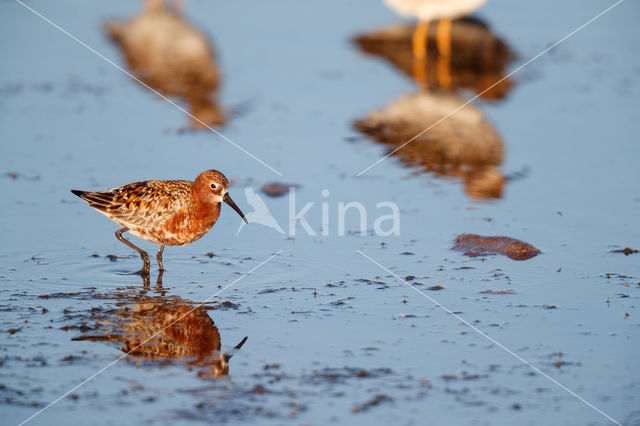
[(626, 251), (276, 189), (476, 245), (376, 400), (498, 292), (16, 175)]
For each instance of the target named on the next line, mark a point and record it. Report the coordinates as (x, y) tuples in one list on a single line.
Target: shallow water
[(332, 337)]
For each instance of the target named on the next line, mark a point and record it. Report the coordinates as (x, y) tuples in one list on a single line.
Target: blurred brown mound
[(478, 57), (464, 145), (173, 57), (476, 245)]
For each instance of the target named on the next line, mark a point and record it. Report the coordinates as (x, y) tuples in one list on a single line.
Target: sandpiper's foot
[(146, 264)]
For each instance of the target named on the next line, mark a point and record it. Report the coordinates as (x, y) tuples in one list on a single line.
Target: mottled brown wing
[(137, 203)]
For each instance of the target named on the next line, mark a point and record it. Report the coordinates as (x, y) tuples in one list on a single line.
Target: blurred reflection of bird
[(481, 58), (464, 145), (167, 328), (430, 10), (173, 57), (260, 213)]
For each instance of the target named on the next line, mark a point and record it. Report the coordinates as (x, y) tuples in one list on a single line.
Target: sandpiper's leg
[(159, 283), (146, 282), (159, 257), (143, 254), (443, 40)]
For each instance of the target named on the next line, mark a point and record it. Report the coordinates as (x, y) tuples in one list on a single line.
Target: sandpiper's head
[(211, 187), (219, 363), (216, 367)]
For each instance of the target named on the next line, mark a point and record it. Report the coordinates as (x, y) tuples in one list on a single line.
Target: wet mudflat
[(548, 158)]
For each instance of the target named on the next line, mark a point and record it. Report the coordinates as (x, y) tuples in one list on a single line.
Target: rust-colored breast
[(186, 226)]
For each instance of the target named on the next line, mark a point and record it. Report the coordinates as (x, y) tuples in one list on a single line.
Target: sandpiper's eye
[(214, 186)]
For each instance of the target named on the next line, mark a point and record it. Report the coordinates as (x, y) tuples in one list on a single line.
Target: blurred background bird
[(425, 11), (172, 56), (480, 63), (463, 146)]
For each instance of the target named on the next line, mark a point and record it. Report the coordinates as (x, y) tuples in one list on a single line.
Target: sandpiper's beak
[(239, 345), (229, 201)]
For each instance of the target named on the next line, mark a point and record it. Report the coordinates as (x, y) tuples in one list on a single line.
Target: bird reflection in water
[(165, 328), (478, 59), (465, 145), (170, 55), (459, 142)]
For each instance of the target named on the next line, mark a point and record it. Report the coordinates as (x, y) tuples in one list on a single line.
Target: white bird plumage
[(429, 10)]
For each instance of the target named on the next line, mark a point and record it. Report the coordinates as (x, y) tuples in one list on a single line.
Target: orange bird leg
[(143, 254), (419, 40), (443, 71), (419, 46), (443, 40), (443, 37)]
